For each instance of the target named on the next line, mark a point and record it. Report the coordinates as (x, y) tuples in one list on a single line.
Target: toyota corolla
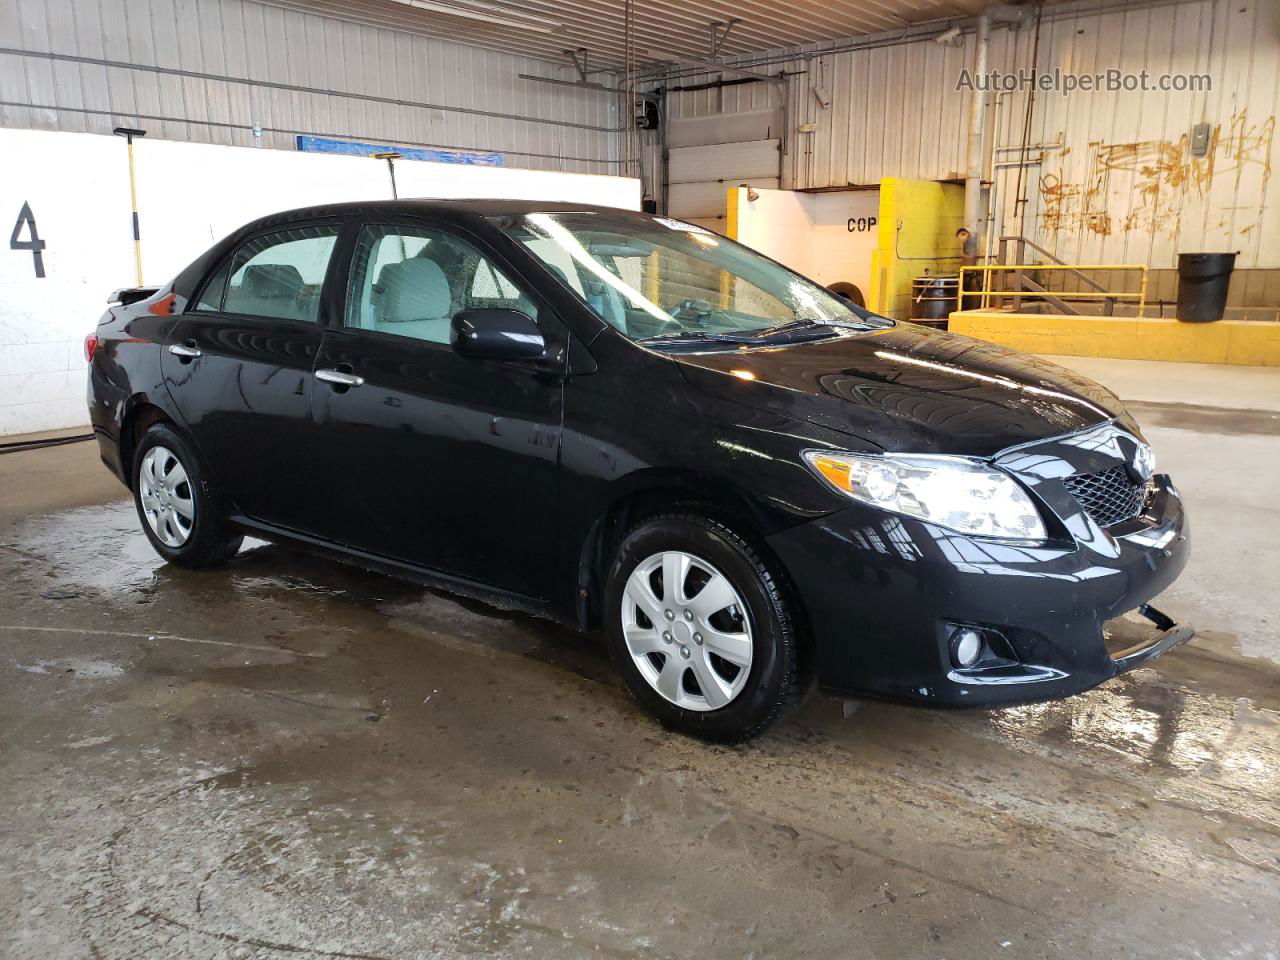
[(624, 421)]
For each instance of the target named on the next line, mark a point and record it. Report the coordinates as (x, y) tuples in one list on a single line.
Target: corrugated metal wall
[(210, 70), (1123, 187), (894, 110)]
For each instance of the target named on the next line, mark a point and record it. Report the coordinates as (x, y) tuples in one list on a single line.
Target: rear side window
[(277, 275)]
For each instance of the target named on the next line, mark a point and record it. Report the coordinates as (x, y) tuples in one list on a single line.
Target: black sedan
[(623, 420)]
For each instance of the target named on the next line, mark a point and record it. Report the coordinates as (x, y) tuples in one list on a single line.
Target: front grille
[(1108, 496)]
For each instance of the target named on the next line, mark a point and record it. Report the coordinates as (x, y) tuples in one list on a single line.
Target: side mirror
[(496, 335)]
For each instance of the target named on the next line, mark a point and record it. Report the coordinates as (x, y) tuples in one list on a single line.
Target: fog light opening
[(967, 647)]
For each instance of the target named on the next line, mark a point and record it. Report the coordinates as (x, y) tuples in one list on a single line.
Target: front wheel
[(180, 515), (700, 628)]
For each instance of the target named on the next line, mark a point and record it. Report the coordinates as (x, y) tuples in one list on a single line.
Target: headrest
[(413, 289), (272, 281)]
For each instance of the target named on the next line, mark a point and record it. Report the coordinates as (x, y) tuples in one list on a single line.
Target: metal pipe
[(973, 217), (391, 159), (993, 199), (664, 160), (714, 66), (1042, 147), (55, 58), (977, 116), (925, 30)]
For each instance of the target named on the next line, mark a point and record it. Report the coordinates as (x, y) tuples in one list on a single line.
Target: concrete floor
[(290, 758)]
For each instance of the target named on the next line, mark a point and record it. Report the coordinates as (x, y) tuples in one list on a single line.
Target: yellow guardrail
[(987, 292)]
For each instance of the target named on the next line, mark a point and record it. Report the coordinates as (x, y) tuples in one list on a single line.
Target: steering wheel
[(692, 310)]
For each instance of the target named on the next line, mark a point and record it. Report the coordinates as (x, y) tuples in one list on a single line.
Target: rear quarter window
[(211, 296)]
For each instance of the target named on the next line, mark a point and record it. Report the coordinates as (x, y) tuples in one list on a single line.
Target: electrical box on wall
[(1200, 139)]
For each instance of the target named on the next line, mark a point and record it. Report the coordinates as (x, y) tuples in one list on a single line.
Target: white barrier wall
[(828, 237), (189, 195)]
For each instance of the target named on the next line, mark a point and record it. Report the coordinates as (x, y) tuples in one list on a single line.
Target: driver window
[(411, 281)]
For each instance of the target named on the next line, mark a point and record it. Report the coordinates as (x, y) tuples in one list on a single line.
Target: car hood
[(909, 389)]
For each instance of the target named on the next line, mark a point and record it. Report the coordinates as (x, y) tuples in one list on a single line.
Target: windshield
[(668, 282)]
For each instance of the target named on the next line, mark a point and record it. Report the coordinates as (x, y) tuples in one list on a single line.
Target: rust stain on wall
[(1149, 182)]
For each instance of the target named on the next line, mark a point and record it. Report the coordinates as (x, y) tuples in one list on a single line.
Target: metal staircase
[(1021, 283)]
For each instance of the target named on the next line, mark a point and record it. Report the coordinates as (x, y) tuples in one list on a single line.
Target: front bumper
[(882, 594)]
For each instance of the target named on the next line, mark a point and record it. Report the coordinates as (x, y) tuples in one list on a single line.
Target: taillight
[(90, 347)]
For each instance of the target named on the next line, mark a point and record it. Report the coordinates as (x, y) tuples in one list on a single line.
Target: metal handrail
[(989, 268), (1024, 242), (1021, 281)]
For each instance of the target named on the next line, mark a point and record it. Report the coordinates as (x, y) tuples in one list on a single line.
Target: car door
[(239, 368), (440, 461)]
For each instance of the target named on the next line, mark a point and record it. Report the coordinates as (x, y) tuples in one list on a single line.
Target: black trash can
[(1203, 279)]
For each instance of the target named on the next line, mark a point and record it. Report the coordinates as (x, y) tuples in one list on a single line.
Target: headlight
[(952, 492)]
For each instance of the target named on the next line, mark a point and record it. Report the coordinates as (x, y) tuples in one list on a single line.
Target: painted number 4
[(33, 242)]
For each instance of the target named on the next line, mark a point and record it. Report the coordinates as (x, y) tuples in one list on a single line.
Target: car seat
[(269, 290), (414, 300)]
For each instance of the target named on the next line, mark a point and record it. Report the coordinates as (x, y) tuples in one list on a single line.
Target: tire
[(183, 518), (843, 288), (746, 696)]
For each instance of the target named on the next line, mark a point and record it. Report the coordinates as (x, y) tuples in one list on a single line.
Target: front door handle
[(339, 378), (186, 351)]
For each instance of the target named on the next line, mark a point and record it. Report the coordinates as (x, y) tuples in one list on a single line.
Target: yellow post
[(731, 231), (129, 133), (1142, 294)]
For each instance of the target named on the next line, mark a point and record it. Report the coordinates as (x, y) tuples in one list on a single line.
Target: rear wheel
[(180, 515), (700, 629)]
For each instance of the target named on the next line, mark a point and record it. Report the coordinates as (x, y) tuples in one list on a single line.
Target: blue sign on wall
[(477, 158)]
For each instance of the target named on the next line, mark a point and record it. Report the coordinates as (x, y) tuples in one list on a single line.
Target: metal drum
[(934, 299)]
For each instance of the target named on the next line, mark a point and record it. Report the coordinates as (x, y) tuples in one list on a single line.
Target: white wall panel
[(189, 195), (828, 237)]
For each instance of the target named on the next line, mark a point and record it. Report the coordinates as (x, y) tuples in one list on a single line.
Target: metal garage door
[(709, 154)]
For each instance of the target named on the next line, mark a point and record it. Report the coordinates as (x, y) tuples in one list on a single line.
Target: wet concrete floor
[(291, 758)]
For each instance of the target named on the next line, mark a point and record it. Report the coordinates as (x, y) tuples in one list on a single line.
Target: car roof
[(443, 208), (186, 281)]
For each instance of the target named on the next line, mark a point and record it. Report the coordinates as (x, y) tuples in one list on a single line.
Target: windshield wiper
[(699, 336), (794, 329), (791, 326)]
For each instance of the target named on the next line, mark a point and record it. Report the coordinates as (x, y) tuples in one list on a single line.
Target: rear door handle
[(187, 351), (339, 378)]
